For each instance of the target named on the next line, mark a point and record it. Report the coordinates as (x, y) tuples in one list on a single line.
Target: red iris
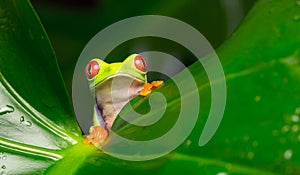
[(140, 63), (92, 69)]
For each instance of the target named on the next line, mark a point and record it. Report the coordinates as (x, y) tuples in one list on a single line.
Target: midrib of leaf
[(73, 159), (27, 150)]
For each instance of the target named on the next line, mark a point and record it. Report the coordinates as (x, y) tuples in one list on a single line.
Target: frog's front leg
[(98, 132), (149, 86)]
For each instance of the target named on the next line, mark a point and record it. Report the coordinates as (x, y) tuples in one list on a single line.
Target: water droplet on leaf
[(22, 119), (297, 18), (297, 111), (295, 118), (28, 123), (188, 142), (250, 155), (229, 166), (6, 109), (255, 143), (295, 128), (3, 167), (246, 138), (4, 157), (288, 154), (285, 128), (257, 98), (222, 173)]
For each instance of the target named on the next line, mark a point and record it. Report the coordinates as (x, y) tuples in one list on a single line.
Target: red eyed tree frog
[(114, 85)]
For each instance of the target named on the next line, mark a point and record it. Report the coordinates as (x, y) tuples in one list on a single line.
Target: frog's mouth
[(121, 75)]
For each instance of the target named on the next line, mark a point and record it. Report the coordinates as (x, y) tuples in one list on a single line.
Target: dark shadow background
[(70, 24)]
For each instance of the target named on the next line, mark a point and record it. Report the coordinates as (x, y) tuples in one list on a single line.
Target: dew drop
[(250, 155), (297, 18), (28, 123), (4, 157), (297, 110), (6, 109), (288, 154), (295, 118), (295, 128), (22, 119), (229, 166), (222, 173), (285, 128), (255, 143), (3, 167), (246, 138), (188, 142), (257, 98)]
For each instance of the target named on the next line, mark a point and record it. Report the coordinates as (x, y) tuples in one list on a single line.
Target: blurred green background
[(260, 128), (71, 24)]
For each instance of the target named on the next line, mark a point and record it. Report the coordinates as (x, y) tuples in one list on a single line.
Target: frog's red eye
[(140, 63), (92, 69)]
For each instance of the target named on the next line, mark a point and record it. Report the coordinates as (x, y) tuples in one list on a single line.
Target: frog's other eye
[(92, 69), (140, 63)]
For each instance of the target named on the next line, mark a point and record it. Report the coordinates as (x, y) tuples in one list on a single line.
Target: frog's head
[(98, 71)]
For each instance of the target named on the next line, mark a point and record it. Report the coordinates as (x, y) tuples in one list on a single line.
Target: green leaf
[(28, 63), (259, 133), (260, 127), (31, 88)]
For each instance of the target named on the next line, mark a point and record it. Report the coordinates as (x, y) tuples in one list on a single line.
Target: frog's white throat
[(114, 94)]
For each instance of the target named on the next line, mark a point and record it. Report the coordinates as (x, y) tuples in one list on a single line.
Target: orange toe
[(86, 141), (148, 86), (157, 83), (145, 92)]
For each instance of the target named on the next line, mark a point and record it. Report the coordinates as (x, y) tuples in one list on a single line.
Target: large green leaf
[(259, 133), (31, 88)]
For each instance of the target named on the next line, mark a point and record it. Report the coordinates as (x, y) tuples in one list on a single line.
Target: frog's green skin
[(114, 85)]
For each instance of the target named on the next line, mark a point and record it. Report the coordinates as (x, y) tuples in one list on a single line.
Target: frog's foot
[(149, 86), (97, 136)]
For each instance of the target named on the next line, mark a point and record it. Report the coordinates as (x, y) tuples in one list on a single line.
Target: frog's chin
[(115, 93)]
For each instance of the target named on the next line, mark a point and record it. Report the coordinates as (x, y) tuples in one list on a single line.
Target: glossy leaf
[(39, 133), (31, 89)]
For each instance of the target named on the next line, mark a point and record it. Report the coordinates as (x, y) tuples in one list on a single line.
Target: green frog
[(113, 86)]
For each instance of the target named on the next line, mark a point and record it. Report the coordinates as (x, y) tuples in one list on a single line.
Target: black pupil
[(143, 62), (90, 69)]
